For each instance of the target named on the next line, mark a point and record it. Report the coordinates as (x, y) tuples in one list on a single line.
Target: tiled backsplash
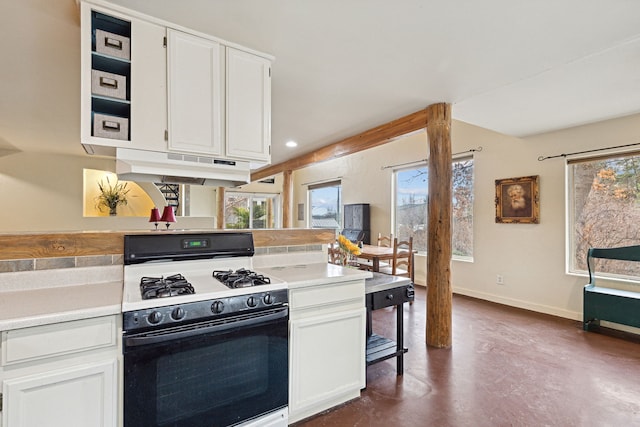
[(35, 264), (270, 250)]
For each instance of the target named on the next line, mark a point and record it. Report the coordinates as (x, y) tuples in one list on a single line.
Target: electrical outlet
[(500, 279)]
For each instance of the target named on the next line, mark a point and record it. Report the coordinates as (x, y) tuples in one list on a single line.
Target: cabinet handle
[(390, 296), (107, 82), (113, 43), (111, 126)]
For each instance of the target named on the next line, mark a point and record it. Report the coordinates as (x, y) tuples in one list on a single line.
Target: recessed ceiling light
[(291, 144)]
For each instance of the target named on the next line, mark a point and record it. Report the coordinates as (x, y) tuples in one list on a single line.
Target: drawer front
[(108, 84), (391, 297), (39, 342), (112, 44), (326, 295), (112, 127)]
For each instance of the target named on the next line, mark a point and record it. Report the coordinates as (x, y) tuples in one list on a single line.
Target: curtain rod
[(424, 160), (541, 158), (322, 181)]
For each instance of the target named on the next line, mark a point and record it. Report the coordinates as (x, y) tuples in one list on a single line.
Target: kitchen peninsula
[(60, 321)]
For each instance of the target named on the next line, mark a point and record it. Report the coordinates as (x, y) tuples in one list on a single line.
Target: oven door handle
[(215, 326)]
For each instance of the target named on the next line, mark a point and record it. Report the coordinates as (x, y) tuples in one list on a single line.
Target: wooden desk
[(375, 254)]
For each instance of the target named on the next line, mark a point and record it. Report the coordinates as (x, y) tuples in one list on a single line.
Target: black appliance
[(357, 225)]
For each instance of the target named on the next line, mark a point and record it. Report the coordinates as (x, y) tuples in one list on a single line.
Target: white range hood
[(178, 168)]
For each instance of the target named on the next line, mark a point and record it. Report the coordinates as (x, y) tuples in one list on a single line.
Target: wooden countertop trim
[(72, 244)]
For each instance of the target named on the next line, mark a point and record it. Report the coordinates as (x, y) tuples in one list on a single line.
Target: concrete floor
[(507, 367)]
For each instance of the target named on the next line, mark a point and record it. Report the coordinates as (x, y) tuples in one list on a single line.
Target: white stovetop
[(199, 273)]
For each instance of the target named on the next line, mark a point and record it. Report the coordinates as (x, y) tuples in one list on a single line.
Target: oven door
[(215, 373)]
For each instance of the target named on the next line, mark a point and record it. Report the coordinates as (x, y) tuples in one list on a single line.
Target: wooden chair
[(335, 256), (386, 241), (402, 262)]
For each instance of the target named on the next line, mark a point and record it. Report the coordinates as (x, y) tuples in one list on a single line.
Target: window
[(325, 205), (411, 206), (410, 212), (604, 206), (246, 210)]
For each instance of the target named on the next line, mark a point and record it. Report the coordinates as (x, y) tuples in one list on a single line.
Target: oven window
[(209, 379), (181, 374)]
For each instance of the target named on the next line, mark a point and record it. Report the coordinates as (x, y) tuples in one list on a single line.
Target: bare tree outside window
[(411, 203), (605, 210), (411, 206)]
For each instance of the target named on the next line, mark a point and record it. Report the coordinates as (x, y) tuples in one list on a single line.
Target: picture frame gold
[(518, 200)]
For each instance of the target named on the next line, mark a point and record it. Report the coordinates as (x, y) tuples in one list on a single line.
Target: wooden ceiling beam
[(368, 139)]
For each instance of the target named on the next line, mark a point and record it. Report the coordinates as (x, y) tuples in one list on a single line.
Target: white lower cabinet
[(327, 347), (82, 396), (61, 375)]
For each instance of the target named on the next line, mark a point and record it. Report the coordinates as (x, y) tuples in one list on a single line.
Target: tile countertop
[(48, 299), (22, 309), (303, 275), (43, 297)]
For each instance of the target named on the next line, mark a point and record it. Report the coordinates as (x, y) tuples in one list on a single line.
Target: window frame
[(571, 267), (250, 196), (419, 165), (339, 205)]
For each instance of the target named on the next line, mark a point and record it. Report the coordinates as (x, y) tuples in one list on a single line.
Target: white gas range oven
[(205, 338)]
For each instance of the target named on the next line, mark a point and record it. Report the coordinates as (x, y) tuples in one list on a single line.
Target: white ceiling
[(518, 67)]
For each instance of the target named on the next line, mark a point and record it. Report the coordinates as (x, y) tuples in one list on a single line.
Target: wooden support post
[(287, 199), (220, 208), (439, 299)]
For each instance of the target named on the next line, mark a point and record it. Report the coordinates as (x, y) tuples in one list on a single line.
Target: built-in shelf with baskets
[(110, 77)]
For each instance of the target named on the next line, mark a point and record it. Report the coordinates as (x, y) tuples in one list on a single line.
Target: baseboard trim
[(540, 308)]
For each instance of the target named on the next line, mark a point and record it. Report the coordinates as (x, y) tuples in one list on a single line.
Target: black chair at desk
[(354, 235)]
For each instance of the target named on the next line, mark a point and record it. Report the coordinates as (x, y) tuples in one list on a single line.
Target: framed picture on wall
[(518, 200)]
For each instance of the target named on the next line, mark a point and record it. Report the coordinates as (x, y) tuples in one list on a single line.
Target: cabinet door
[(327, 361), (248, 106), (195, 101), (85, 395), (149, 86)]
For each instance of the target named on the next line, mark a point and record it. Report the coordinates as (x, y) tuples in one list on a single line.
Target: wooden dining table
[(376, 254)]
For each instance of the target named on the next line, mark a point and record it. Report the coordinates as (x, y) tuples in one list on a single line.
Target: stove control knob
[(217, 307), (154, 317), (177, 313), (252, 302), (268, 299)]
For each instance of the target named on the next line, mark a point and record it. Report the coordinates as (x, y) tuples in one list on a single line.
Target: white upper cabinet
[(248, 106), (195, 99), (123, 82), (158, 86), (149, 86)]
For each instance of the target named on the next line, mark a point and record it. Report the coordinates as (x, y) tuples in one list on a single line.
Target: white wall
[(530, 257)]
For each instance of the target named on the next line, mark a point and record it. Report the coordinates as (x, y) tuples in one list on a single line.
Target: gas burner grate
[(241, 278), (161, 287)]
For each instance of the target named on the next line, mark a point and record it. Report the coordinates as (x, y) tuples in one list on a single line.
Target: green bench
[(612, 305)]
